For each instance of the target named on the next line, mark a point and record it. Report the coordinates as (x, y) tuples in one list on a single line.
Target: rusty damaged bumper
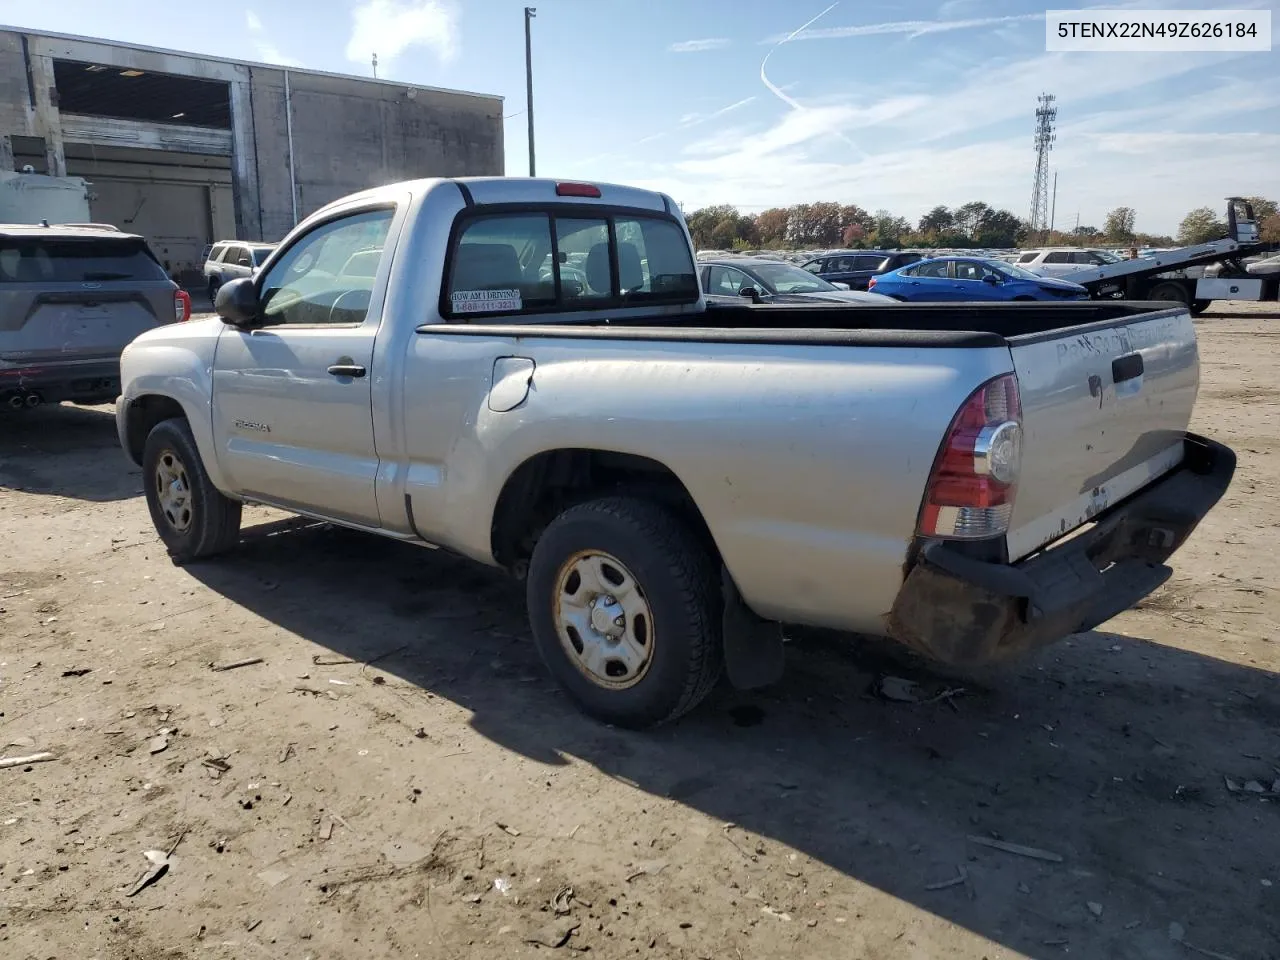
[(961, 611)]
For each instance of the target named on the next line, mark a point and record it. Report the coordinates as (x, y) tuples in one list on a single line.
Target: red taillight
[(871, 283), (577, 190), (975, 475), (181, 306)]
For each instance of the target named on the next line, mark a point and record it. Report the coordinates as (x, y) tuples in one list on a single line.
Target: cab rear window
[(53, 260), (542, 262)]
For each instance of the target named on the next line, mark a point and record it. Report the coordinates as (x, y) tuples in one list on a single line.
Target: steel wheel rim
[(173, 491), (603, 620)]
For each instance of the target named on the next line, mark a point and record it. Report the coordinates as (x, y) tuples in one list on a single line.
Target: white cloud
[(389, 27), (699, 46), (266, 51)]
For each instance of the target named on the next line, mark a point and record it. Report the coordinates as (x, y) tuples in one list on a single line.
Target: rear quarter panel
[(807, 462)]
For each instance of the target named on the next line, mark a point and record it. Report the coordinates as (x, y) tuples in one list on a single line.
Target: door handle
[(345, 368)]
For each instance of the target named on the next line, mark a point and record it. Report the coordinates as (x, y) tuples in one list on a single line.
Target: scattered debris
[(420, 733), (252, 925), (553, 935), (898, 690), (286, 753), (326, 830), (341, 820), (502, 885), (216, 765), (1178, 935), (1254, 787), (1061, 942), (508, 829), (159, 867), (1133, 925), (320, 660), (784, 917), (1016, 848), (562, 902), (959, 878), (77, 673), (1095, 908), (650, 868), (901, 690), (158, 744), (6, 762), (235, 664), (340, 683), (273, 878)]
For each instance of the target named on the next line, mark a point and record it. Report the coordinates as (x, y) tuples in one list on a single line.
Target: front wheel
[(624, 605), (191, 516), (1200, 306)]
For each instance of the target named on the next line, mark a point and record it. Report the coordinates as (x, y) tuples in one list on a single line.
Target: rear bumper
[(963, 611), (56, 380)]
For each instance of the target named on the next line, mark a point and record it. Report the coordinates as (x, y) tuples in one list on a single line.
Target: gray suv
[(232, 259), (71, 299)]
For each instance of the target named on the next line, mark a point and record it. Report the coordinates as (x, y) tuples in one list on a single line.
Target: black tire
[(678, 582), (1170, 293), (1200, 306), (207, 523), (213, 290)]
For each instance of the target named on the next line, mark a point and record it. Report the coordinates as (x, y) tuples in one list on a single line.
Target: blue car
[(972, 278)]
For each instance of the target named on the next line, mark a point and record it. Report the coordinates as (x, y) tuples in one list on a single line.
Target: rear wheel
[(191, 516), (623, 602), (213, 289), (1199, 306), (1170, 292)]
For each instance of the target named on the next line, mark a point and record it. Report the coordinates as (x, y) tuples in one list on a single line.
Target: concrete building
[(187, 149)]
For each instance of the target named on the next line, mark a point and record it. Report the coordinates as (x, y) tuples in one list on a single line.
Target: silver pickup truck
[(673, 480)]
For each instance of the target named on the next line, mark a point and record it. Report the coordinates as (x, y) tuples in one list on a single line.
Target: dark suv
[(857, 267), (71, 299)]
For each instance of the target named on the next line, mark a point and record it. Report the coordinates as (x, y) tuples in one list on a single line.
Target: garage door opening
[(121, 93)]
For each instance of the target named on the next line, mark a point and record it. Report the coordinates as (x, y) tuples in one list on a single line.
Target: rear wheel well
[(144, 413), (547, 484)]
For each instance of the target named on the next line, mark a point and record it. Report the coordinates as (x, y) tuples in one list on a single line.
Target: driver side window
[(327, 276)]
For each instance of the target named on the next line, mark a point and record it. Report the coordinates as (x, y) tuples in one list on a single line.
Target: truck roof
[(64, 231), (489, 190)]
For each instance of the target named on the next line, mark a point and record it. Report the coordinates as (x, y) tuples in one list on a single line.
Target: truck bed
[(922, 325)]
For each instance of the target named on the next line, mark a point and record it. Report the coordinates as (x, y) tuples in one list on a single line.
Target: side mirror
[(750, 292), (991, 279), (237, 302)]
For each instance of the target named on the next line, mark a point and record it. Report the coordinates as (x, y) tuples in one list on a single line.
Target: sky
[(896, 105)]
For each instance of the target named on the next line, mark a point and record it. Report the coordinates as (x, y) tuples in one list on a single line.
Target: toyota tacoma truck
[(526, 372)]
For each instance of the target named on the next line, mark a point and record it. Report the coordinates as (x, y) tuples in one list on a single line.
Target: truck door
[(292, 412)]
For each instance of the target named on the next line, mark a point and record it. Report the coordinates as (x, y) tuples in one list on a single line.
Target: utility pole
[(1053, 206), (375, 66), (529, 14)]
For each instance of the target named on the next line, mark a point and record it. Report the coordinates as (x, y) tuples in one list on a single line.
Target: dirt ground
[(398, 777)]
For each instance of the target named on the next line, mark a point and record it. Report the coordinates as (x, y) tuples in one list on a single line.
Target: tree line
[(828, 225)]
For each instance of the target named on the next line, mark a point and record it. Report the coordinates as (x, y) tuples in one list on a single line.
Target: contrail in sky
[(778, 92)]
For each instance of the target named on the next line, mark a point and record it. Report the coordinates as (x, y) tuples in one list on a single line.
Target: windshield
[(784, 278), (1013, 270), (1106, 256)]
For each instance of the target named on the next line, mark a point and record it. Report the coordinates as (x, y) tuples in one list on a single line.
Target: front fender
[(173, 363)]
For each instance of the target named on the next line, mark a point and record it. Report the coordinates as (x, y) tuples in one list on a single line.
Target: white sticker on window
[(485, 301)]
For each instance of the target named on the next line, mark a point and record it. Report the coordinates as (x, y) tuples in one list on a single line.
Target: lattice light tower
[(1046, 116)]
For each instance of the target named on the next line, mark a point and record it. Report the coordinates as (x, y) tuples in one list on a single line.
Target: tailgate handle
[(1126, 368)]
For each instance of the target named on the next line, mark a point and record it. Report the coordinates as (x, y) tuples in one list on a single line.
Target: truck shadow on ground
[(65, 451), (1109, 752)]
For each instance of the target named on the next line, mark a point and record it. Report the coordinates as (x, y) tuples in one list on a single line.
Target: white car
[(1060, 261)]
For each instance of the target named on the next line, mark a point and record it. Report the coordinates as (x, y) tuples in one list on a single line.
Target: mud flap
[(754, 656)]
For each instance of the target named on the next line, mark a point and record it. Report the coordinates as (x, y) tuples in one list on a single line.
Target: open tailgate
[(1105, 408)]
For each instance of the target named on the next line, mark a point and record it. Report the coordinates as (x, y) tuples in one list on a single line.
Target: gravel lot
[(399, 778)]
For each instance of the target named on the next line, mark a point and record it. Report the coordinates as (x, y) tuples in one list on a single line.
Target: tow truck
[(1162, 276)]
